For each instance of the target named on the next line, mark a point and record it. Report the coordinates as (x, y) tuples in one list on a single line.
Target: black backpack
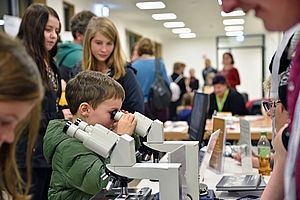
[(159, 92)]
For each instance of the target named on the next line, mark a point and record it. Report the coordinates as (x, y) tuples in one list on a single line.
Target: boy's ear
[(84, 109)]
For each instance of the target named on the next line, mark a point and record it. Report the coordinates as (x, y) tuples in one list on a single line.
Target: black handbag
[(159, 93)]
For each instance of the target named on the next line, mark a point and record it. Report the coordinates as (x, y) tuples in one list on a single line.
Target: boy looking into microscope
[(77, 171)]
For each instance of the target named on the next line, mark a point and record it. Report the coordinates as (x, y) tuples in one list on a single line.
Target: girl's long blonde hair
[(117, 58)]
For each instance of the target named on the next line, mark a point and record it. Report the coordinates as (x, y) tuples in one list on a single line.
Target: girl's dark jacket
[(50, 110)]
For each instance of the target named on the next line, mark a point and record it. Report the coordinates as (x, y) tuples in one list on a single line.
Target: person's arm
[(84, 168), (212, 105), (134, 99), (235, 103), (197, 84), (164, 72), (234, 77), (254, 158), (275, 188), (182, 86)]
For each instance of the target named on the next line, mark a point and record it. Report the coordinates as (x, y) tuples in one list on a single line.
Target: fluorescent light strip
[(181, 30), (234, 33), (234, 28), (174, 24), (233, 21), (233, 13), (1, 22), (164, 16), (150, 5), (187, 35)]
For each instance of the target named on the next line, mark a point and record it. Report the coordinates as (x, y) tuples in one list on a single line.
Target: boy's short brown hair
[(92, 87)]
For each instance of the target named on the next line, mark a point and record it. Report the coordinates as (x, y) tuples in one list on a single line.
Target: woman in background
[(193, 81), (38, 32), (229, 71), (146, 69), (21, 92), (102, 52)]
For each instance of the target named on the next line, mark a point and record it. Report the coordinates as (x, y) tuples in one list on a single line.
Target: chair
[(245, 97), (255, 107)]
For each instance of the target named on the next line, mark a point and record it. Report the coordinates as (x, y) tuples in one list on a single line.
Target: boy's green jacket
[(76, 169)]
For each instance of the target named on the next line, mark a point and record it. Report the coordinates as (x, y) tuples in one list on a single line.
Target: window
[(68, 14)]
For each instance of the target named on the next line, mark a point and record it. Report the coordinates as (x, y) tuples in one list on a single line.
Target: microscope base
[(133, 193)]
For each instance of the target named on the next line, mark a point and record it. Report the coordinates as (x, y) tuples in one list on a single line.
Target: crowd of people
[(46, 82)]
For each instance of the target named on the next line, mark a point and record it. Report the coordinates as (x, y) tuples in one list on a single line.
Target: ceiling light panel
[(174, 24), (187, 35), (234, 33), (233, 13), (181, 30), (150, 5), (233, 21), (164, 16), (234, 28)]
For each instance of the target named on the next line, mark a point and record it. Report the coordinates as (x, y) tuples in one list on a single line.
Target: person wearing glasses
[(277, 107), (279, 15)]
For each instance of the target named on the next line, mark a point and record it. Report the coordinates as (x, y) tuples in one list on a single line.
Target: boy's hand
[(126, 124)]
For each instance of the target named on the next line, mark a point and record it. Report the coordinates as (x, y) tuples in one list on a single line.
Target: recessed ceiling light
[(233, 21), (187, 35), (174, 24), (164, 16), (233, 13), (234, 28), (234, 33), (181, 30), (150, 5)]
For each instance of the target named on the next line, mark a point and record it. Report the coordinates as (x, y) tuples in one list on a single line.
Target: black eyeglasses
[(267, 105)]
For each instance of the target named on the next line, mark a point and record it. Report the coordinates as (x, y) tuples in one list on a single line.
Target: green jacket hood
[(68, 53)]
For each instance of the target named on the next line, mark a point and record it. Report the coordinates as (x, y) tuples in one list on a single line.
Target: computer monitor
[(198, 117)]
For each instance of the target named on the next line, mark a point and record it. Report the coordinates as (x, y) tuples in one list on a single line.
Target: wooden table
[(233, 132)]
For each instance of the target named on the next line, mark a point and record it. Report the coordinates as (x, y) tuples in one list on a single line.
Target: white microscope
[(153, 129), (121, 151)]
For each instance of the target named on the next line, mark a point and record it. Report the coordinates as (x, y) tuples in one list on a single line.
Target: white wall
[(189, 51)]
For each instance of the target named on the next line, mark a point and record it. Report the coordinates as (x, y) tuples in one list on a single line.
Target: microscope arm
[(191, 161)]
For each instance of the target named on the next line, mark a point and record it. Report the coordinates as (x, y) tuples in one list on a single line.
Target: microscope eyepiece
[(66, 127), (113, 114)]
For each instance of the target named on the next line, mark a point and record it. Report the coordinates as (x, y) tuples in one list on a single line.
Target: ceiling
[(201, 16)]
